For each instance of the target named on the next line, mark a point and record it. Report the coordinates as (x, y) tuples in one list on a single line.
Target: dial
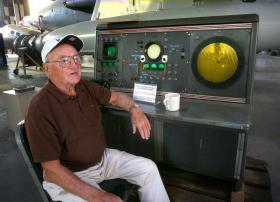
[(154, 51)]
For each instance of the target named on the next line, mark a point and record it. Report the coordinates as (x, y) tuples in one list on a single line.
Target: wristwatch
[(134, 105)]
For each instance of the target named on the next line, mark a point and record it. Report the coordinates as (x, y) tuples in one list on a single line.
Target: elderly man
[(63, 124)]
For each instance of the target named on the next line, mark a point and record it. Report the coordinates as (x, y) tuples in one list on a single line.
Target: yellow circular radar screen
[(217, 62), (153, 51)]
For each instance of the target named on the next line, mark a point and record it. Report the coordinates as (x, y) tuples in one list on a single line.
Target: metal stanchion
[(21, 57), (22, 53)]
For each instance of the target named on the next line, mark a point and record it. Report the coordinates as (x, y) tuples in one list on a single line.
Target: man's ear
[(45, 67)]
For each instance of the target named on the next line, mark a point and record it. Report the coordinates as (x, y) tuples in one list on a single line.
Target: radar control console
[(205, 58), (200, 58)]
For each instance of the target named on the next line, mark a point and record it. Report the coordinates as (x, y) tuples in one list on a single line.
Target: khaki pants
[(117, 164)]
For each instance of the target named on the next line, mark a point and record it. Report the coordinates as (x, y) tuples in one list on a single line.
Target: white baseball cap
[(55, 42)]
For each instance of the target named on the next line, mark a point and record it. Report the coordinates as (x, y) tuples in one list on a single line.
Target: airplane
[(11, 32), (137, 10), (54, 15)]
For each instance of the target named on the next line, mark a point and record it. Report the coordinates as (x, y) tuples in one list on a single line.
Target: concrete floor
[(16, 183), (263, 143), (264, 139)]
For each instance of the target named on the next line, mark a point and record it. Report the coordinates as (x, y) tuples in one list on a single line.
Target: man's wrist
[(134, 105)]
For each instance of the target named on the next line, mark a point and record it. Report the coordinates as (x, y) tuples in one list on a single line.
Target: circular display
[(217, 62), (154, 51)]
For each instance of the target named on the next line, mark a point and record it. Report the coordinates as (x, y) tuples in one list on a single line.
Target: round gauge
[(154, 51)]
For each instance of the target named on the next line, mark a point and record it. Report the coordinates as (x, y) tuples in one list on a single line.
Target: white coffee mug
[(172, 101)]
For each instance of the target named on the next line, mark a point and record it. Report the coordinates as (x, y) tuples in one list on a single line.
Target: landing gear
[(15, 71)]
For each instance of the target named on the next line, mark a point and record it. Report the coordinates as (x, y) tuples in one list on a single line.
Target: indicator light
[(146, 66), (153, 66), (161, 66)]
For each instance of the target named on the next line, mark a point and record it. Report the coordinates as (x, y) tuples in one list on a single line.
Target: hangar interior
[(233, 116)]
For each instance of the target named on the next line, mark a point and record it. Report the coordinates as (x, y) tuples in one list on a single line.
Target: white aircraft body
[(269, 19), (56, 14)]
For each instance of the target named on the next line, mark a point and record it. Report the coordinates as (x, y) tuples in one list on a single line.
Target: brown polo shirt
[(67, 128)]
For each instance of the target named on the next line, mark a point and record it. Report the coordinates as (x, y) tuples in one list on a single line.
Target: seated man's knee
[(150, 167)]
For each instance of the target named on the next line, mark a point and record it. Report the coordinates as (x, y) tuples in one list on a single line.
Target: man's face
[(59, 72)]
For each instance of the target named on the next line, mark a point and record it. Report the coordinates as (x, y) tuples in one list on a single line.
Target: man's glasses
[(65, 61)]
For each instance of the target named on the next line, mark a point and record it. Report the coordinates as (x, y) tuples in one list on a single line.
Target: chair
[(118, 187)]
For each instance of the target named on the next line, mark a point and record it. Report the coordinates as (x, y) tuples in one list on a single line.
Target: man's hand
[(140, 121), (138, 118), (105, 197)]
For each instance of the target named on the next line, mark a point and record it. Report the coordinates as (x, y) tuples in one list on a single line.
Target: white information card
[(145, 92)]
